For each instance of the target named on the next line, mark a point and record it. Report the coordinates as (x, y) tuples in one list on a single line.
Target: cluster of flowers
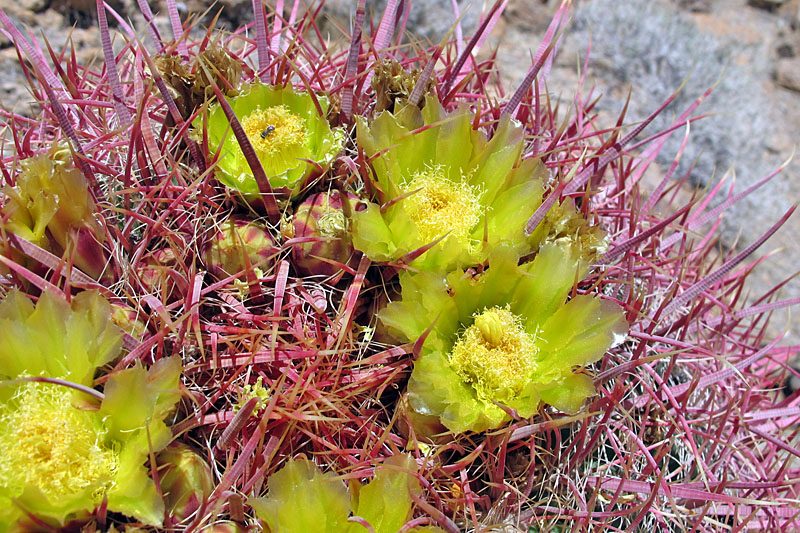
[(500, 333), (464, 273), (450, 205)]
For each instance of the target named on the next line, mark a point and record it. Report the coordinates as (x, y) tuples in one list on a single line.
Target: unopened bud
[(237, 244), (127, 320), (185, 479), (156, 272), (322, 216)]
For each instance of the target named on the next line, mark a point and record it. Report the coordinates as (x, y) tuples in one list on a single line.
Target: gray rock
[(766, 4), (787, 73)]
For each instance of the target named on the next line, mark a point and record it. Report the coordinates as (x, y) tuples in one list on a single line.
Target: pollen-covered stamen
[(441, 206), (274, 128), (278, 136), (495, 355), (50, 444)]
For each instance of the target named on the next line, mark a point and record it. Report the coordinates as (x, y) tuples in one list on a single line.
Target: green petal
[(56, 339), (510, 211), (385, 502), (425, 303), (455, 139), (527, 402), (135, 397), (401, 153), (371, 234), (435, 389), (134, 493), (303, 499), (550, 277), (496, 159), (495, 287), (105, 338), (56, 513), (9, 513), (577, 334), (570, 395)]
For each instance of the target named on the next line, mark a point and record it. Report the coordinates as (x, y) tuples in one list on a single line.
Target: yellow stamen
[(495, 355), (441, 206), (275, 128), (50, 444), (258, 391), (279, 138)]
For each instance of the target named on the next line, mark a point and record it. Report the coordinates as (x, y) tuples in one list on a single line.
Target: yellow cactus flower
[(65, 452), (291, 138), (52, 207), (506, 339), (439, 179), (384, 503)]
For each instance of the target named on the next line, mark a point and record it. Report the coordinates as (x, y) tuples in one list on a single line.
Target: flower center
[(495, 355), (273, 129), (441, 206), (332, 224), (279, 138), (52, 445)]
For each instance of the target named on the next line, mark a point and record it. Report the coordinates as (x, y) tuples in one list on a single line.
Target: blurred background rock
[(650, 47)]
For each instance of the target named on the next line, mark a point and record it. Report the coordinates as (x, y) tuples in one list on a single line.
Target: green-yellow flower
[(286, 130), (441, 179), (507, 337), (324, 504), (63, 452)]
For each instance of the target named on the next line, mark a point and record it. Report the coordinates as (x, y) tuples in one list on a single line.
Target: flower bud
[(236, 244), (186, 480), (127, 320), (321, 216), (157, 274), (52, 207)]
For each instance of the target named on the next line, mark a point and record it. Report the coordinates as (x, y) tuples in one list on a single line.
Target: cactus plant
[(516, 339)]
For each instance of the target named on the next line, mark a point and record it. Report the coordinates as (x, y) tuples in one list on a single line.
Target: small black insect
[(267, 131)]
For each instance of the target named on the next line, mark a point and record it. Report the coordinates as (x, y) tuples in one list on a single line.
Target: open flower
[(63, 453), (503, 340), (384, 503), (290, 136), (438, 178)]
